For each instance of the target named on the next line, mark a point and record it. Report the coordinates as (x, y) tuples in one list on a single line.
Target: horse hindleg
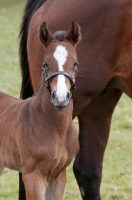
[(94, 125), (35, 185), (22, 193), (56, 186)]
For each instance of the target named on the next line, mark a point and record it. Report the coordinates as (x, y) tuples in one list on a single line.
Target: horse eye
[(46, 65), (75, 64)]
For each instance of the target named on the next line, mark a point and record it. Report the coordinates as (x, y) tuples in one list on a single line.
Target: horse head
[(60, 62)]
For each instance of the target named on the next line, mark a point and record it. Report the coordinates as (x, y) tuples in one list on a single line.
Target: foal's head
[(60, 62)]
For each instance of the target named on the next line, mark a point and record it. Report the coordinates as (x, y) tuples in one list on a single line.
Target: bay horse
[(105, 56), (37, 135)]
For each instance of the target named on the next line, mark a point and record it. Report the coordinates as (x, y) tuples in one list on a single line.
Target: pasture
[(117, 179)]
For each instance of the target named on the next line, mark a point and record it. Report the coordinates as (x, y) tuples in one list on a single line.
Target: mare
[(105, 58), (37, 135)]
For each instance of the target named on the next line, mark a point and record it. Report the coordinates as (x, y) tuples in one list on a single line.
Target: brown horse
[(105, 56), (37, 135)]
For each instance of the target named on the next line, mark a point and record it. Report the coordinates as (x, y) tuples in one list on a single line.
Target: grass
[(10, 18), (117, 170), (117, 179)]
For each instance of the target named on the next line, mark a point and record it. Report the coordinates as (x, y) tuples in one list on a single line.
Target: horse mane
[(60, 35), (31, 7)]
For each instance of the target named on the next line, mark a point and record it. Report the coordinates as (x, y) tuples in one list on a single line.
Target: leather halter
[(71, 78)]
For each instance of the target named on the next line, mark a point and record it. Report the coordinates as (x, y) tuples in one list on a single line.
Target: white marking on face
[(60, 56)]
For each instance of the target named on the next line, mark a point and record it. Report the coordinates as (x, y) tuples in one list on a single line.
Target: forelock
[(60, 35)]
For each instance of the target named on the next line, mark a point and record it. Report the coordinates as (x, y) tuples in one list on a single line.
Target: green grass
[(10, 18), (117, 168), (117, 179)]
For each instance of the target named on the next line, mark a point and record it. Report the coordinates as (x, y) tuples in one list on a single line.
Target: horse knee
[(89, 183)]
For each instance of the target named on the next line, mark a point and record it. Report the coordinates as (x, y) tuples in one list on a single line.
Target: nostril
[(67, 96), (54, 95)]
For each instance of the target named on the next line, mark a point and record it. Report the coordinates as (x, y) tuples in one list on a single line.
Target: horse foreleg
[(35, 185), (94, 126), (55, 189)]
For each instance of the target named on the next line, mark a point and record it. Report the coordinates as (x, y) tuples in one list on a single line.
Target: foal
[(37, 136)]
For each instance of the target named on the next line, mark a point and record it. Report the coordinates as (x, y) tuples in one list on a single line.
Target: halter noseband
[(71, 78)]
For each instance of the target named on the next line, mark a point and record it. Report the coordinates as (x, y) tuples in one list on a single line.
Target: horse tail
[(31, 7)]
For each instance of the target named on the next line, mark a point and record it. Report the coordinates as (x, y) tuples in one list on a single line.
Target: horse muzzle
[(60, 102)]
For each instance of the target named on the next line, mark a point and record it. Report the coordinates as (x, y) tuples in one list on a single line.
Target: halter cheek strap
[(71, 78)]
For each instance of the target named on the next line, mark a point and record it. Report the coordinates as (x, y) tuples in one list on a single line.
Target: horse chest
[(61, 161), (54, 156), (67, 151)]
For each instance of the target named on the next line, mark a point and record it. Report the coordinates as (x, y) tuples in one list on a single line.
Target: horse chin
[(62, 105)]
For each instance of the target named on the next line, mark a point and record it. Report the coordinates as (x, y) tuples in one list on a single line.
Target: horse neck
[(47, 110)]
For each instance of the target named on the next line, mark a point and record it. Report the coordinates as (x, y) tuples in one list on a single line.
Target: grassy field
[(117, 179)]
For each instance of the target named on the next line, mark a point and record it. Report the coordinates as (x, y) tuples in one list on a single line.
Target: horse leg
[(22, 193), (94, 126), (55, 189), (35, 185)]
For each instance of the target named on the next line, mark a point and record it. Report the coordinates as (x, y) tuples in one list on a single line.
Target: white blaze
[(60, 56)]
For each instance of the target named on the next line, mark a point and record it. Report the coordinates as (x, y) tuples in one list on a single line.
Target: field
[(117, 168)]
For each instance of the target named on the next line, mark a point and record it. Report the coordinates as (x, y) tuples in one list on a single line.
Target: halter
[(71, 78)]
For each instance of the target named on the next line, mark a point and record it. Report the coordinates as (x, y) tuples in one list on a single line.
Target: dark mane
[(31, 7), (60, 35)]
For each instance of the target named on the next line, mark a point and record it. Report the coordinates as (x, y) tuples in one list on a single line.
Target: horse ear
[(74, 35), (44, 34)]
